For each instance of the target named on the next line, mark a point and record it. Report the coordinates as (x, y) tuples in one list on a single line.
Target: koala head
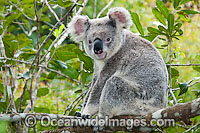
[(102, 37)]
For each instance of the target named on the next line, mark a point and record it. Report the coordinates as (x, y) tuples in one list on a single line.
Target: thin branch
[(52, 11), (170, 70), (111, 1), (82, 94), (81, 8), (49, 69), (54, 43), (20, 10), (183, 65), (192, 128), (74, 106), (95, 9), (37, 79), (194, 83), (22, 98), (9, 91), (50, 33), (3, 82)]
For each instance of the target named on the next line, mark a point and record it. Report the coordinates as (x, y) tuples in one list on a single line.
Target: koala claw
[(86, 116), (77, 114), (95, 129)]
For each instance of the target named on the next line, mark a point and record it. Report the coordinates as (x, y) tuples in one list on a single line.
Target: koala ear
[(77, 27), (121, 16)]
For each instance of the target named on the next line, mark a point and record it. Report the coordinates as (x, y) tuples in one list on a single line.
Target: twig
[(193, 127), (74, 106), (53, 44), (194, 83), (81, 8), (170, 71), (95, 9), (52, 11), (34, 90), (82, 94), (50, 33), (49, 69), (183, 65), (22, 98), (3, 82), (111, 1), (20, 10), (9, 91)]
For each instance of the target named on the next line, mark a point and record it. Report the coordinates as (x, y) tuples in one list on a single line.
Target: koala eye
[(90, 41), (109, 39)]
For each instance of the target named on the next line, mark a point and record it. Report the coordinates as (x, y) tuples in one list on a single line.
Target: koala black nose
[(98, 46)]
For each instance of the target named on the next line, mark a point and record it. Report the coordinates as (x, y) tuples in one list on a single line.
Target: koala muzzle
[(98, 46)]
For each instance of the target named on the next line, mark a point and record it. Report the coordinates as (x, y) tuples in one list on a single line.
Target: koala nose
[(98, 46)]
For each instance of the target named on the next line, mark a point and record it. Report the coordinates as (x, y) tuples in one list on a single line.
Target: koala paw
[(77, 114), (86, 116)]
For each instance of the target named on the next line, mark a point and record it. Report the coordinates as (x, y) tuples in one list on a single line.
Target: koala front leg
[(92, 105)]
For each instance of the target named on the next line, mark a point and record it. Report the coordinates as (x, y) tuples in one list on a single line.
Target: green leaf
[(177, 26), (66, 69), (174, 72), (150, 37), (42, 92), (71, 72), (170, 20), (184, 17), (23, 40), (184, 1), (51, 75), (176, 3), (24, 76), (64, 3), (84, 76), (158, 16), (62, 64), (137, 23), (161, 28), (78, 91), (11, 18), (88, 63), (154, 31), (183, 88), (63, 56), (191, 11), (196, 68), (161, 6), (180, 32)]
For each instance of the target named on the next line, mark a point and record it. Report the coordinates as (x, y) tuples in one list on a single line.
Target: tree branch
[(111, 1), (178, 112)]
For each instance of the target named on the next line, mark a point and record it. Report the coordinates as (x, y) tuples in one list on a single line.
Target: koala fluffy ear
[(77, 27), (121, 16)]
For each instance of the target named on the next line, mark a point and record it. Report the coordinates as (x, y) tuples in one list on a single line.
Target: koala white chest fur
[(130, 76)]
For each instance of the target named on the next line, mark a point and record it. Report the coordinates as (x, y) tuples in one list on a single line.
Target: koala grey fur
[(130, 76)]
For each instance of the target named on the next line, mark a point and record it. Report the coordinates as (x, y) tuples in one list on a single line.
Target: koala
[(130, 76)]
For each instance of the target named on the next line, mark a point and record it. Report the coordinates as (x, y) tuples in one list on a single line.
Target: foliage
[(67, 68)]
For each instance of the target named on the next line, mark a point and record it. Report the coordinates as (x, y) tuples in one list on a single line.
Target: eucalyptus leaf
[(183, 88), (137, 23), (42, 92), (163, 9), (158, 16), (176, 3), (170, 20)]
